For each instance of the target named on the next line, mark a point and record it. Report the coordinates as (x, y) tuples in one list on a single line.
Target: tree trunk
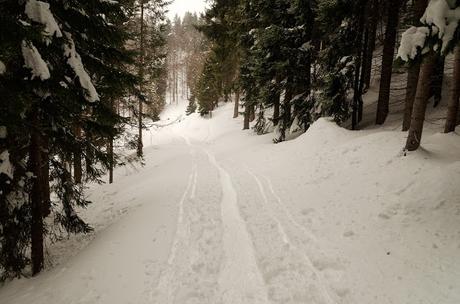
[(111, 160), (372, 33), (437, 80), (387, 61), (247, 113), (414, 71), (287, 106), (452, 107), (37, 230), (411, 89), (421, 99), (236, 110), (46, 192), (357, 88), (140, 145), (252, 113), (276, 109), (77, 167)]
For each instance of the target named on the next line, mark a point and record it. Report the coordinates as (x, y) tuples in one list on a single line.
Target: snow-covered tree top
[(39, 11), (440, 20)]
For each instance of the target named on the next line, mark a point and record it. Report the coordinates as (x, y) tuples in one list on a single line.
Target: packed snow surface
[(220, 215)]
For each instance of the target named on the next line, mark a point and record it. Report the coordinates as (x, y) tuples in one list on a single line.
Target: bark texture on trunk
[(421, 100), (252, 113), (452, 106), (414, 71), (372, 33), (287, 106), (383, 104), (77, 166), (357, 88), (411, 89), (437, 80), (37, 230), (140, 144), (46, 191), (111, 160), (236, 110), (276, 109), (247, 113)]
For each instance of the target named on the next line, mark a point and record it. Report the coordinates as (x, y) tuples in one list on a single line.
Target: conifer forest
[(229, 151)]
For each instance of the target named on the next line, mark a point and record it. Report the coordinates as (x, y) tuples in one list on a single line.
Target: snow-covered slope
[(220, 215)]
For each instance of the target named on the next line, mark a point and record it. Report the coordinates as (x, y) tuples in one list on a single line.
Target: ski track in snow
[(326, 297), (242, 268), (192, 272), (240, 280)]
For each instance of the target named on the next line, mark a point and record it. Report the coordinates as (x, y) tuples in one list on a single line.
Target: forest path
[(198, 227), (237, 243)]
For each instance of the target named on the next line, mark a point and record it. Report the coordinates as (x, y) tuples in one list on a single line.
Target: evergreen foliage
[(66, 66)]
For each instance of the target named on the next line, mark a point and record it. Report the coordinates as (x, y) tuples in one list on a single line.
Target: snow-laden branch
[(440, 21), (40, 12), (74, 61), (34, 61)]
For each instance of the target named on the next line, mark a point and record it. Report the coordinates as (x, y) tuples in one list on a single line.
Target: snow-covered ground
[(220, 215)]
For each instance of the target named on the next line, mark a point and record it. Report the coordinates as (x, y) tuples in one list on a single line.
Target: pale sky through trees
[(179, 7)]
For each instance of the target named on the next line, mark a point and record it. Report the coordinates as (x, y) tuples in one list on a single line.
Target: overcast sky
[(179, 7)]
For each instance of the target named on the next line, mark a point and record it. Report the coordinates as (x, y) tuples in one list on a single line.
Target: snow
[(39, 11), (439, 14), (413, 40), (2, 68), (444, 22), (74, 60), (5, 164), (34, 61), (220, 215)]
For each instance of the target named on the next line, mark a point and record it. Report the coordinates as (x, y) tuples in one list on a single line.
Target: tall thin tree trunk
[(236, 110), (77, 167), (421, 100), (111, 156), (437, 80), (247, 114), (140, 145), (111, 160), (276, 108), (413, 72), (37, 252), (287, 105), (383, 104), (46, 192), (453, 105), (372, 33), (357, 98), (252, 112), (411, 90)]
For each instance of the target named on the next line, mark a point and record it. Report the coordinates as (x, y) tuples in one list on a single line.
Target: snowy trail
[(240, 280), (219, 216)]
